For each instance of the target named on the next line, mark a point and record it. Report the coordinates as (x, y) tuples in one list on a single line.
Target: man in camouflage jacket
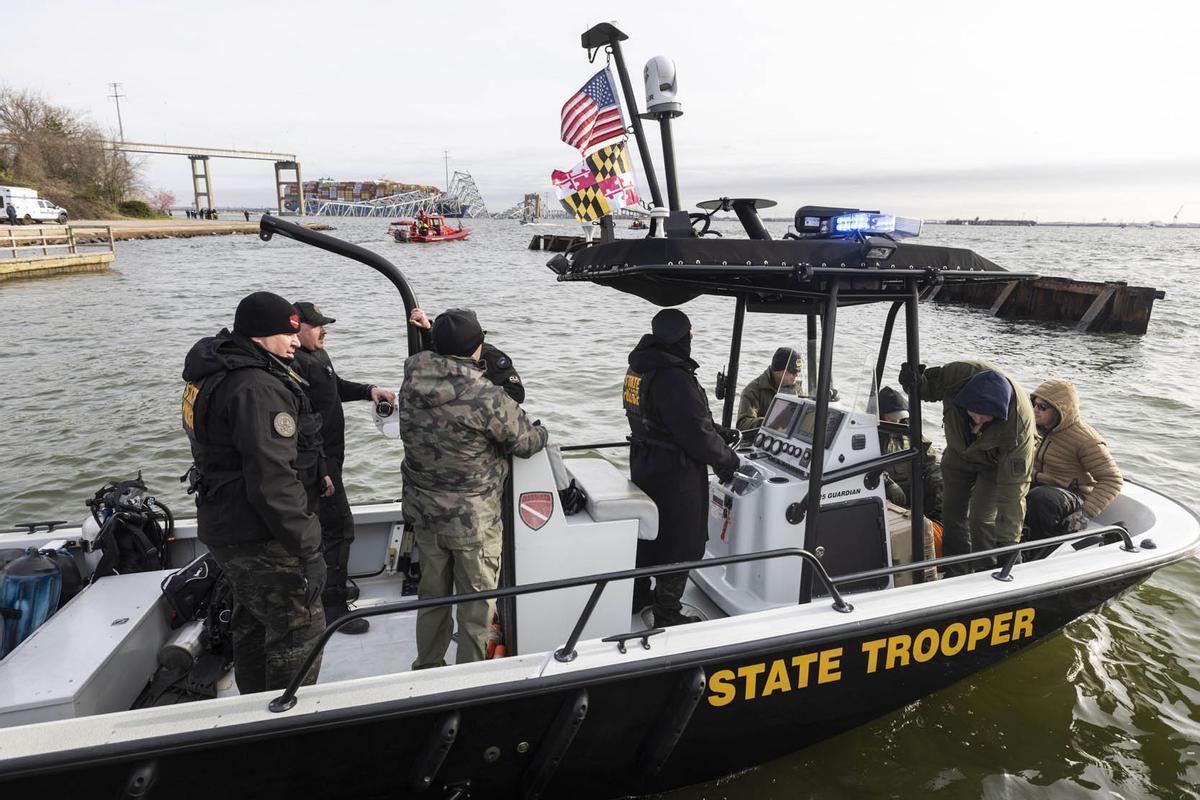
[(458, 430)]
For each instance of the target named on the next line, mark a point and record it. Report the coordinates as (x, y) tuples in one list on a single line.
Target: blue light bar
[(866, 222)]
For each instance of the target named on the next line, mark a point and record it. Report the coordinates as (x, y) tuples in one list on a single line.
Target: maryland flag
[(598, 184)]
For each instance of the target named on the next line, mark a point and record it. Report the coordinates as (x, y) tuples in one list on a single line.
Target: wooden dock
[(36, 252), (1092, 307)]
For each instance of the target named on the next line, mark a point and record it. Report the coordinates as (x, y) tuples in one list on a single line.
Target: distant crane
[(1175, 219)]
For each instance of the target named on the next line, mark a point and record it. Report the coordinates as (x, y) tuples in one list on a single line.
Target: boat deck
[(390, 645)]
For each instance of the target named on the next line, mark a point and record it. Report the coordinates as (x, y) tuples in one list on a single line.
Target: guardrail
[(1007, 557), (63, 239), (567, 652)]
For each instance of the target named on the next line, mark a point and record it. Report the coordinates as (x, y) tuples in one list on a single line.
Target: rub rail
[(287, 700)]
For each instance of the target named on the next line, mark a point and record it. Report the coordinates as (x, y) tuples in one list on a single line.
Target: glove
[(731, 436), (910, 377), (314, 576), (1076, 522), (725, 472)]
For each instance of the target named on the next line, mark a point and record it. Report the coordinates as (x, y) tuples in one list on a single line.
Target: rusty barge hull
[(1092, 307)]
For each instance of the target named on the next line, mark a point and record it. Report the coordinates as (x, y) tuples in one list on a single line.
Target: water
[(90, 389)]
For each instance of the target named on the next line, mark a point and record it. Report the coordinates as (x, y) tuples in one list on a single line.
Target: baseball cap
[(311, 314), (786, 358)]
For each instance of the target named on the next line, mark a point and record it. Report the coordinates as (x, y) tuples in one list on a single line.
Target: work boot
[(669, 619), (353, 627)]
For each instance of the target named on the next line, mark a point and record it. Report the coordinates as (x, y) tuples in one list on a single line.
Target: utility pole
[(117, 97), (446, 158)]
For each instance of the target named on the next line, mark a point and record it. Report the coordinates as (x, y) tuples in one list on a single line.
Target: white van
[(30, 208)]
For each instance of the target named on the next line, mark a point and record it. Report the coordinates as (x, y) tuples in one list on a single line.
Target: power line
[(117, 97)]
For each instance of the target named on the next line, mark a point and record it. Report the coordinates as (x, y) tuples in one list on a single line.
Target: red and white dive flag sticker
[(536, 508)]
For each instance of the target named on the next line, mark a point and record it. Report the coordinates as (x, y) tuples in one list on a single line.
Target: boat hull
[(590, 734)]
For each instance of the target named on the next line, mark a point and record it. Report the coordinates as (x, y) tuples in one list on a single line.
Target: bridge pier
[(280, 168), (201, 177)]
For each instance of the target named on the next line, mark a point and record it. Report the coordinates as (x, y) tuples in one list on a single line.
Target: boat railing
[(1008, 556), (566, 653)]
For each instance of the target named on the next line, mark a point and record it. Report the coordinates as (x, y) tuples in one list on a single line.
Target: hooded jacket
[(1005, 444), (249, 431), (668, 405), (1007, 440), (458, 431), (1072, 454)]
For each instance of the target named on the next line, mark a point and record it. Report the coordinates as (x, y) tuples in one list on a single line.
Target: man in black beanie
[(497, 366), (458, 430), (674, 440), (256, 476)]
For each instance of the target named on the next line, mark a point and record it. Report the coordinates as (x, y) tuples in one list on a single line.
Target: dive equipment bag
[(134, 528)]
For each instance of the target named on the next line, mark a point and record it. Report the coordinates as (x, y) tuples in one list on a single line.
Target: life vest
[(644, 426), (216, 464)]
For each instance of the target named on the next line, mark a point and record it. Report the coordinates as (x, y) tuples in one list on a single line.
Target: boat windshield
[(856, 387)]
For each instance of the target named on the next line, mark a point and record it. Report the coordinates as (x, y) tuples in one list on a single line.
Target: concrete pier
[(177, 227), (42, 250), (43, 266)]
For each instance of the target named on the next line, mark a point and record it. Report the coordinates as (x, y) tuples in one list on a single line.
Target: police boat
[(819, 611)]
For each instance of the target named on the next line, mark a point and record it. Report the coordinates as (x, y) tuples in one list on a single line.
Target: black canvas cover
[(673, 271)]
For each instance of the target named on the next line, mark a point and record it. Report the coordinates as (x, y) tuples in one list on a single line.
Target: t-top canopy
[(668, 272)]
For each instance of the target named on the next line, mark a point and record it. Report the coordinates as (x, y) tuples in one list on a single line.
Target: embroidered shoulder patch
[(285, 424)]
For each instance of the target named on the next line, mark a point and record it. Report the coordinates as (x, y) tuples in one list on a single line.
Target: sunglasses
[(1040, 406)]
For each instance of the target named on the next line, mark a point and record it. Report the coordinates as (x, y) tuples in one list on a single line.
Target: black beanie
[(265, 314), (891, 401), (670, 325), (456, 332)]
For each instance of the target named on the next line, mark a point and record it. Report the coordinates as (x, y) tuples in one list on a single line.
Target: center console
[(764, 508)]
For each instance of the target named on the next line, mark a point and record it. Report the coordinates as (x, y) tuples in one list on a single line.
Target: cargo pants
[(451, 567), (968, 512), (337, 535), (277, 615)]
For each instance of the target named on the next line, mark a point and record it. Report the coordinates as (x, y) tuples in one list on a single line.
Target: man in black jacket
[(327, 390), (256, 476), (673, 442)]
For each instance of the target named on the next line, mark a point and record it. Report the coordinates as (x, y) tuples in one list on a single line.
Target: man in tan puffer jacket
[(1074, 475)]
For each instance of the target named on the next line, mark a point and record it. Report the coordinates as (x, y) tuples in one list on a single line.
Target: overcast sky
[(1047, 110)]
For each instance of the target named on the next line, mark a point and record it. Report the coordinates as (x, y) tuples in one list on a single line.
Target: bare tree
[(49, 146)]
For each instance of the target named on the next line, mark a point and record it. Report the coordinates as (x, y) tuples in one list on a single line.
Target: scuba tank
[(31, 587)]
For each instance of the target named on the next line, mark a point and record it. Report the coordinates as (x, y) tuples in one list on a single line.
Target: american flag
[(592, 117)]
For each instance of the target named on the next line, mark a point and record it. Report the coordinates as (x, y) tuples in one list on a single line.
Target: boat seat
[(94, 656), (611, 496)]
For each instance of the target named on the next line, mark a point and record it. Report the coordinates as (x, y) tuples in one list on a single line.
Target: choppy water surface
[(89, 391)]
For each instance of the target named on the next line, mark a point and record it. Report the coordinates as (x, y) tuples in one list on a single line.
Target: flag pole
[(606, 34)]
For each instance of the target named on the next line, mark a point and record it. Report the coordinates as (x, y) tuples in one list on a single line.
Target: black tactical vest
[(643, 419), (218, 463)]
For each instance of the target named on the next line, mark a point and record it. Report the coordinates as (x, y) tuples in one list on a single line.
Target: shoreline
[(58, 243), (132, 229)]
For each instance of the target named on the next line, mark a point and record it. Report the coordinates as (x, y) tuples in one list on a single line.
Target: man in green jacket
[(758, 394), (893, 407), (988, 462)]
